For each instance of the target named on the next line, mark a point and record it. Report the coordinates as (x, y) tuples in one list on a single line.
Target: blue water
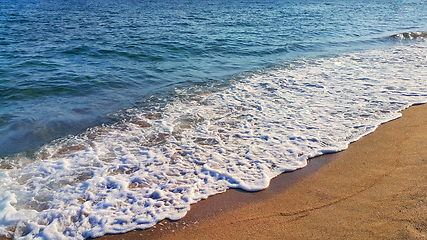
[(115, 115), (69, 65)]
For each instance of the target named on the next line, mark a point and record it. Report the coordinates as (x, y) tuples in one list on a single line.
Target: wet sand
[(376, 189)]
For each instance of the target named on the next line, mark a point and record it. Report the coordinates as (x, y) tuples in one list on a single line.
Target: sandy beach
[(376, 189)]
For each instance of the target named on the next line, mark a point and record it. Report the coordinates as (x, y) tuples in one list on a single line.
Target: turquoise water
[(115, 115)]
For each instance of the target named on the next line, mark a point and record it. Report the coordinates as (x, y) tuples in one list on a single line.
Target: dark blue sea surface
[(69, 65)]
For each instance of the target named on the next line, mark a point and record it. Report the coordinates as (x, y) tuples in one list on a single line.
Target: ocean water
[(115, 115)]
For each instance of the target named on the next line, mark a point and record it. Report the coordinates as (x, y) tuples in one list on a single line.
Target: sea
[(115, 115)]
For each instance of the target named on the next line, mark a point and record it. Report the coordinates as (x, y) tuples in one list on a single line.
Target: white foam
[(114, 179), (411, 36)]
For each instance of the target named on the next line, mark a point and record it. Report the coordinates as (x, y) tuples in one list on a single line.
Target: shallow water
[(115, 116)]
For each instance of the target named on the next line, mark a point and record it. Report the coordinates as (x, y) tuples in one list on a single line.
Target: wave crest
[(411, 35)]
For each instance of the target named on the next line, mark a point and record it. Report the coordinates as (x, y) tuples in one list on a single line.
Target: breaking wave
[(411, 36)]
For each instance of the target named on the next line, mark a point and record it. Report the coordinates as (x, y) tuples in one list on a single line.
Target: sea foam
[(154, 165)]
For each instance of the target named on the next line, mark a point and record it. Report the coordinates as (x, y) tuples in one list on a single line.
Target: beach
[(375, 189), (218, 119)]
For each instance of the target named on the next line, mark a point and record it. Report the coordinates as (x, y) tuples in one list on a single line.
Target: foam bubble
[(130, 175)]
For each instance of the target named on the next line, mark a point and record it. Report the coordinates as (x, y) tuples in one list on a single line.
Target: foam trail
[(116, 178)]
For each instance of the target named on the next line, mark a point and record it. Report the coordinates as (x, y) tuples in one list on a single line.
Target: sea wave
[(155, 164), (411, 35)]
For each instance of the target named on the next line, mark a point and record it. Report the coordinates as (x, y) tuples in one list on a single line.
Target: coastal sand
[(376, 189)]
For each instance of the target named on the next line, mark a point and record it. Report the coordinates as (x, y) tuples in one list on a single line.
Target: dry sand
[(376, 189)]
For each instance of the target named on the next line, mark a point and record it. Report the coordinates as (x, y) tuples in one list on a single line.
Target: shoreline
[(377, 188), (224, 203)]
